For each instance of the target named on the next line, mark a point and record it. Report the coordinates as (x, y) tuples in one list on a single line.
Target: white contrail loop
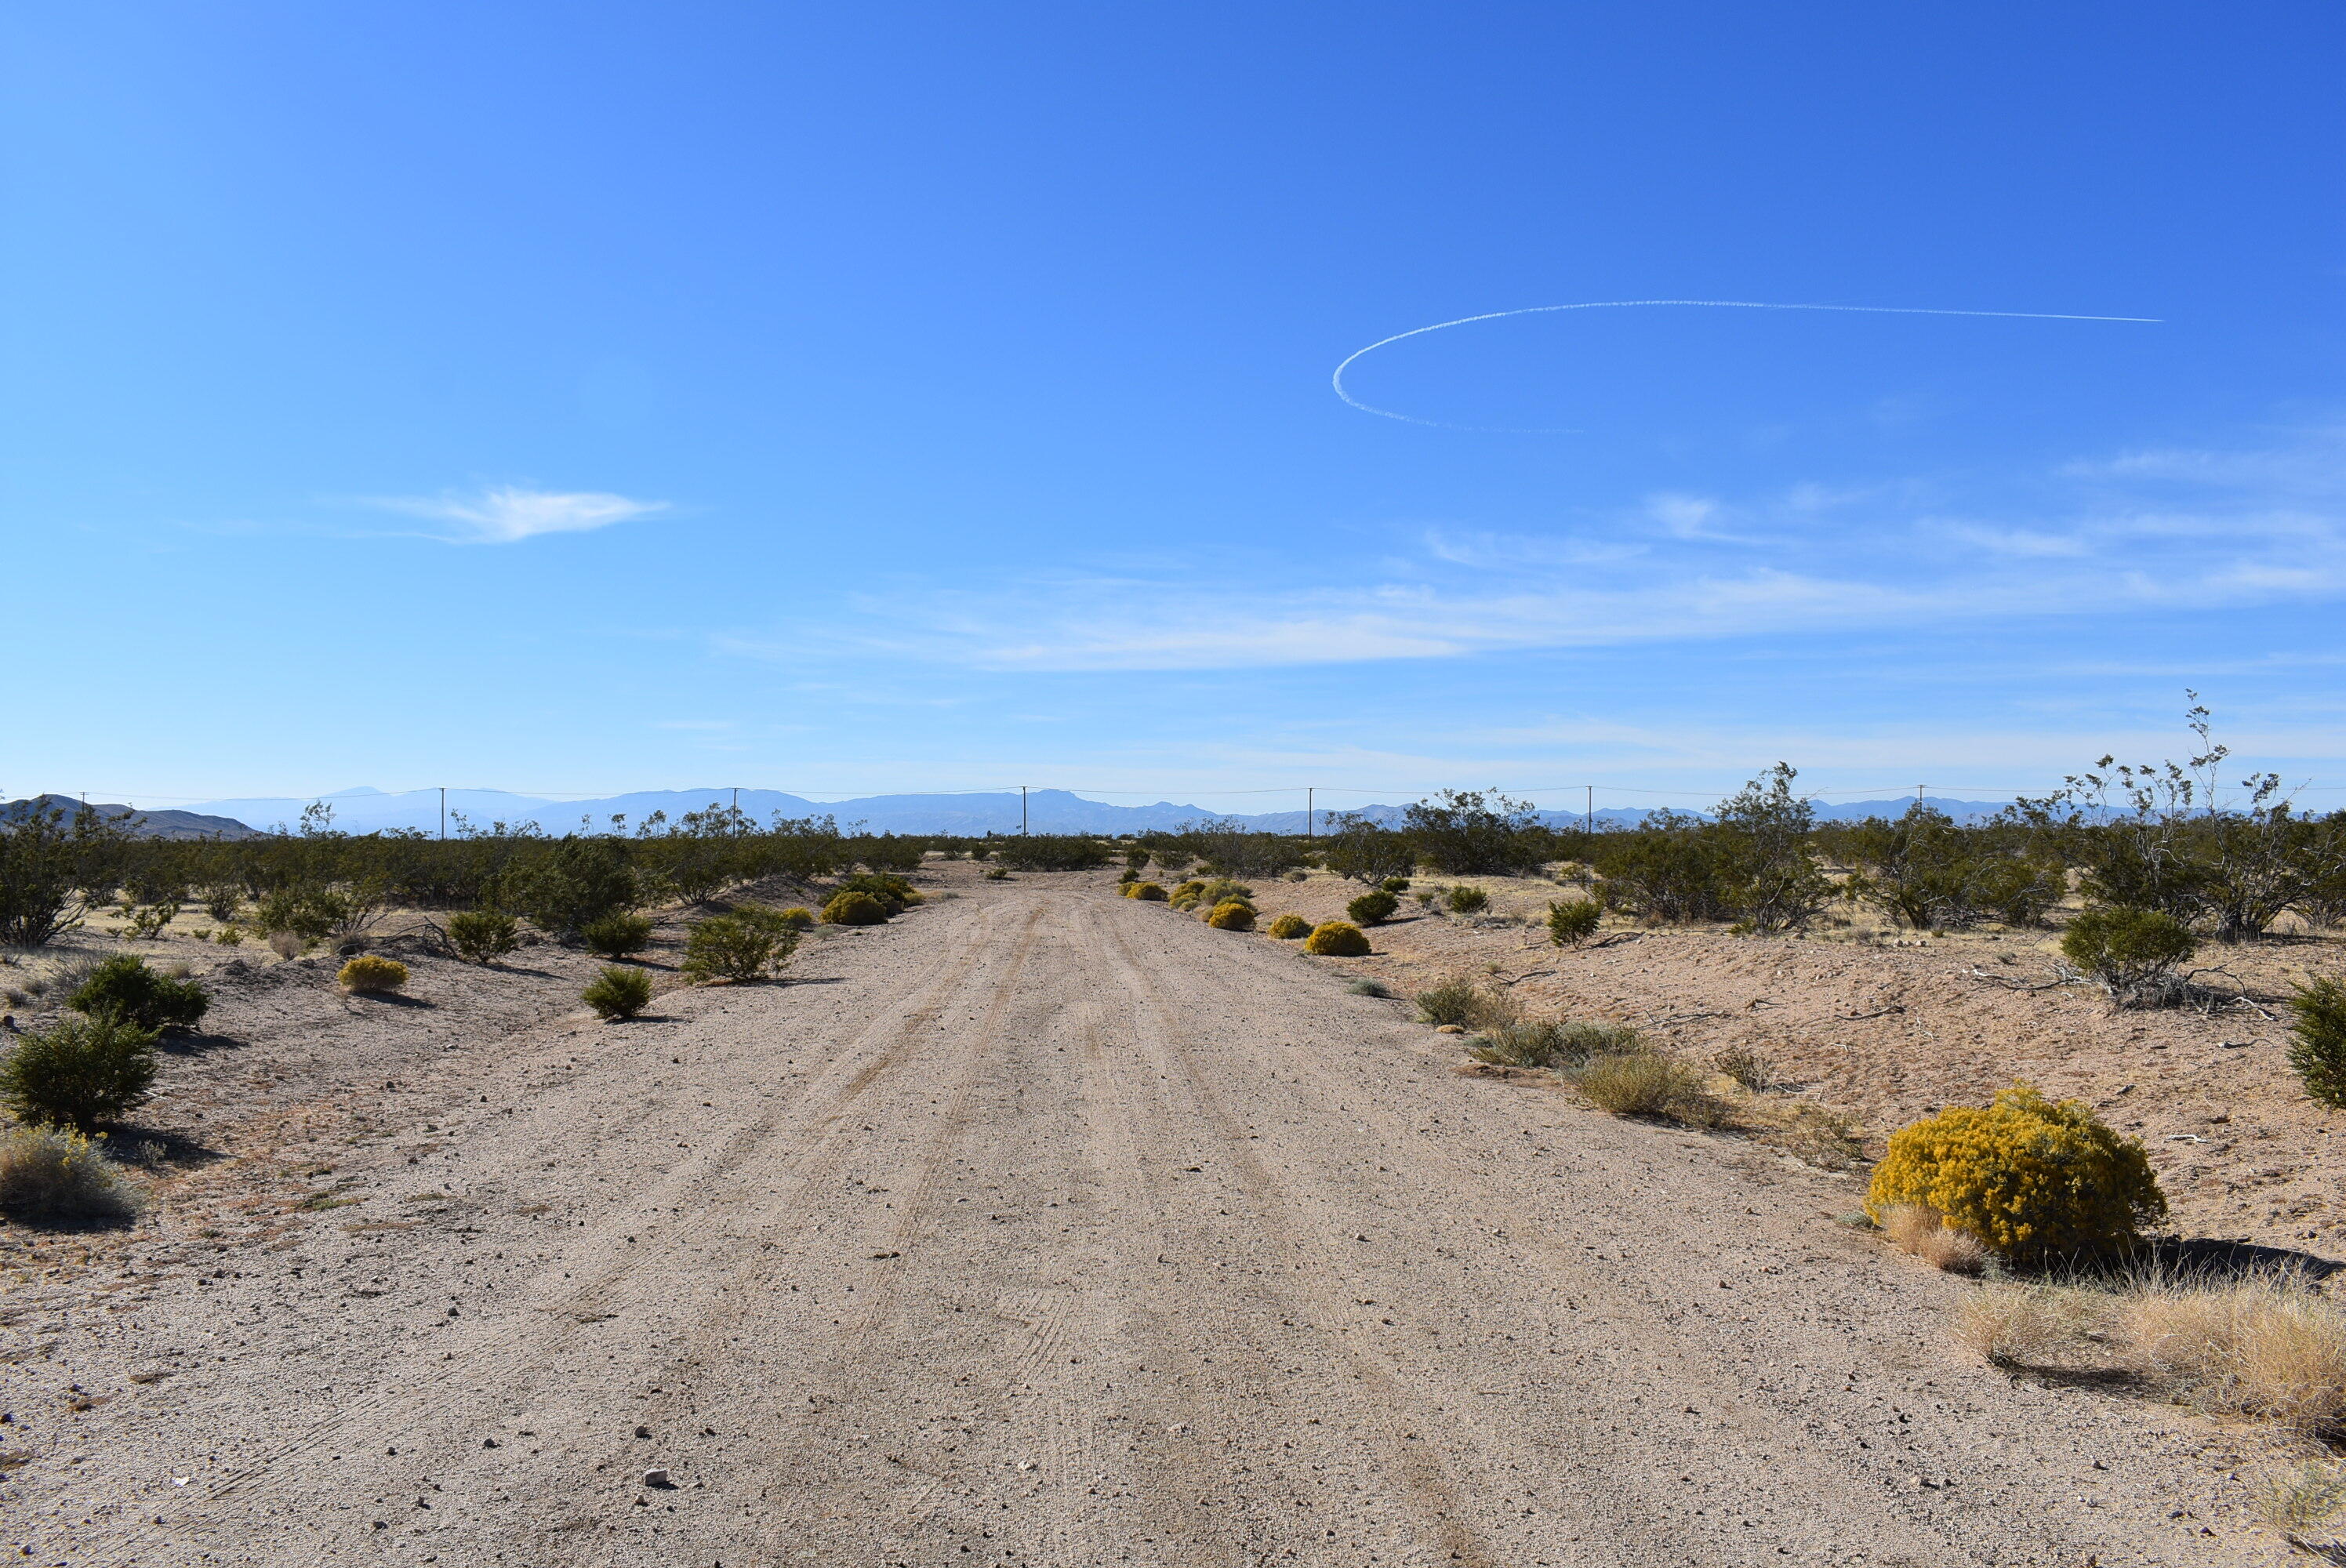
[(1337, 380)]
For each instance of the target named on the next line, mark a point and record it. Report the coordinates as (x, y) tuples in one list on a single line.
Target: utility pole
[(444, 813), (1310, 796), (1021, 811), (1918, 793), (1588, 814)]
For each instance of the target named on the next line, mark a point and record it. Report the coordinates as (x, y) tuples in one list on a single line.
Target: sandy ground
[(1038, 1227)]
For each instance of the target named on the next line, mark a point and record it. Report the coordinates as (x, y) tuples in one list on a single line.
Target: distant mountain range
[(1048, 811), (150, 824)]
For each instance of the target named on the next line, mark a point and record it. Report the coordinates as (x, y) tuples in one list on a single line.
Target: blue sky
[(839, 399)]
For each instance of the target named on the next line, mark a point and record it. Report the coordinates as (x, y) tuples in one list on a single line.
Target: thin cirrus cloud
[(507, 514)]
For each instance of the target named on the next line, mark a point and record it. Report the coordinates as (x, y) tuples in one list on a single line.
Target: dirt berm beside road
[(1041, 1227)]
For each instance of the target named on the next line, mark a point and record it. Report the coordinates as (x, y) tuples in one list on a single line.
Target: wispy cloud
[(508, 514)]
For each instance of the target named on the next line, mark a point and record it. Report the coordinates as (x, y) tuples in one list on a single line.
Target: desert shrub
[(1052, 853), (572, 882), (1465, 899), (1186, 894), (1395, 885), (123, 987), (369, 973), (1461, 1001), (311, 913), (1232, 916), (1369, 988), (143, 921), (1913, 1230), (1147, 892), (1527, 1044), (2027, 1177), (730, 947), (886, 852), (229, 936), (285, 945), (1136, 858), (618, 991), (1571, 921), (1646, 1084), (1747, 1066), (1770, 875), (1363, 852), (1337, 939), (2318, 1046), (617, 935), (1920, 868), (1472, 833), (482, 936), (51, 1176), (997, 874), (1237, 851), (372, 973), (798, 917), (221, 901), (1668, 872), (79, 1071), (1129, 875), (894, 893), (1372, 908), (51, 870), (2133, 952), (1287, 926), (853, 908)]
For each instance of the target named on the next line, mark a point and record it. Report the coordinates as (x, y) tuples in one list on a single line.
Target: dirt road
[(1045, 1227)]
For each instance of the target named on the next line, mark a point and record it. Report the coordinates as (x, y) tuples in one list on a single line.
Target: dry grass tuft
[(2269, 1345), (2033, 1325), (1644, 1084), (51, 1176), (2300, 1502), (1917, 1230)]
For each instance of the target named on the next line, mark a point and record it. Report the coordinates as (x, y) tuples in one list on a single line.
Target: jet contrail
[(1337, 380)]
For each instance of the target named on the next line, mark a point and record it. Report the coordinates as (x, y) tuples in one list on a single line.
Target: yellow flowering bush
[(1337, 939), (1187, 893), (1232, 915), (2028, 1177), (368, 972), (1146, 892)]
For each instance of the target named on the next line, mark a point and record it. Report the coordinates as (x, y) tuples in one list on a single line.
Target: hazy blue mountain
[(148, 824)]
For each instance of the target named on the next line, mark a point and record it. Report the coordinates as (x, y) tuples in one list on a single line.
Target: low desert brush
[(853, 908), (2134, 953), (1372, 908), (1460, 1000), (1747, 1067), (1233, 915), (2318, 1046), (1369, 988), (124, 987), (2300, 1502), (367, 972), (2028, 1178), (1287, 926), (1337, 939), (228, 936), (482, 936), (1571, 921), (618, 991), (894, 893), (79, 1071), (1465, 899), (1146, 892), (142, 923), (51, 1176), (798, 917), (731, 948), (617, 935), (1912, 1228), (1522, 1045), (1646, 1084)]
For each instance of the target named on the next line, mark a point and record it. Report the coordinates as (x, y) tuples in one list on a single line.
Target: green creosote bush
[(1131, 875), (1527, 1044), (1395, 884), (1571, 921), (1644, 1083), (1428, 897), (1465, 899), (52, 1177), (1337, 939), (79, 1071), (738, 948), (2028, 1178), (2318, 1049), (482, 936), (310, 914), (618, 991), (1372, 908), (123, 987), (572, 882), (1287, 926), (228, 936), (221, 902), (617, 935), (2132, 953), (1232, 916), (368, 972), (144, 922), (1052, 853), (853, 908)]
